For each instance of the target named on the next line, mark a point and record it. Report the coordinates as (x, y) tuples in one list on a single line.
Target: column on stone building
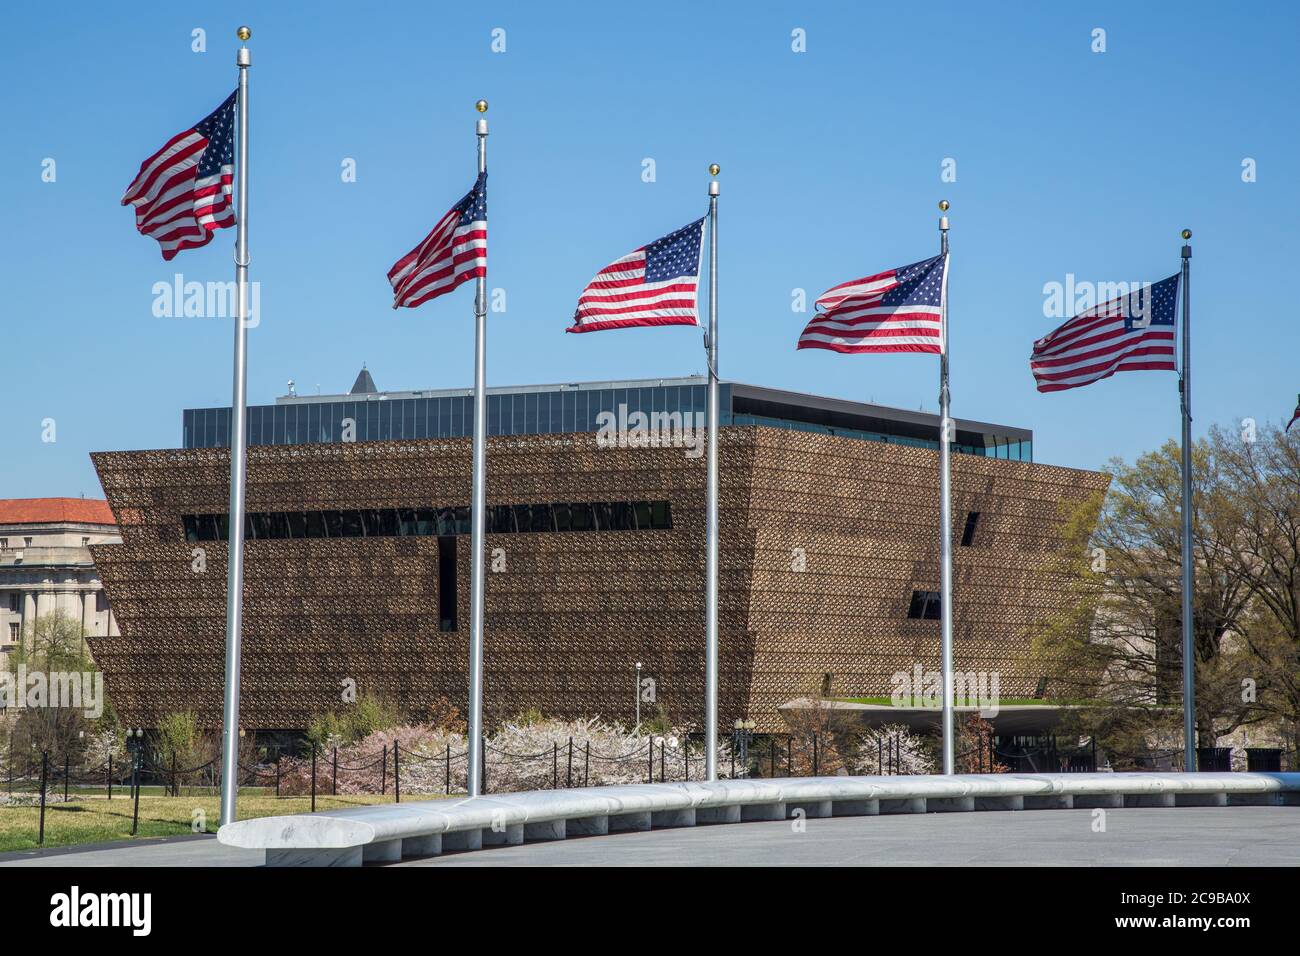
[(69, 602)]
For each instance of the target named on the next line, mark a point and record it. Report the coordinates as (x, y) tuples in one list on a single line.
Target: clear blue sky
[(1067, 161)]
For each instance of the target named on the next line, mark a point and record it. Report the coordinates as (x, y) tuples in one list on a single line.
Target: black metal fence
[(568, 764)]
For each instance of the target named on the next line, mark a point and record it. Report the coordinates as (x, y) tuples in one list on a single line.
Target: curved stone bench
[(389, 832)]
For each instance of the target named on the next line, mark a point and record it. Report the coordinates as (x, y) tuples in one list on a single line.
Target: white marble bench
[(389, 832)]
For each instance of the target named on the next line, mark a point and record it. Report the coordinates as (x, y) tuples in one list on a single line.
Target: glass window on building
[(513, 412), (445, 429), (421, 412), (569, 412), (557, 413), (925, 606), (279, 417), (530, 413)]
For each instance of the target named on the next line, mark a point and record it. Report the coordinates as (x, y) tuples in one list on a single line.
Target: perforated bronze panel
[(571, 612)]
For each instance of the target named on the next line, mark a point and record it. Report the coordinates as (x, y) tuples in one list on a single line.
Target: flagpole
[(478, 507), (711, 508), (1185, 391), (945, 510), (238, 465)]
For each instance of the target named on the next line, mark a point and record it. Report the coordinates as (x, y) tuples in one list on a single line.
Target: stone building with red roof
[(46, 565)]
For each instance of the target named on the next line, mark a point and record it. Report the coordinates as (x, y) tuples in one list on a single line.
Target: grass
[(92, 818)]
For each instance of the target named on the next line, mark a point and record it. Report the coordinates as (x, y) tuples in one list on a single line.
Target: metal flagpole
[(238, 464), (945, 510), (478, 507), (1185, 391), (711, 517)]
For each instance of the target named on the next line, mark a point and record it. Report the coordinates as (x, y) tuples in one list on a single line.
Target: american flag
[(896, 311), (1129, 334), (1294, 416), (182, 193), (653, 285), (454, 252)]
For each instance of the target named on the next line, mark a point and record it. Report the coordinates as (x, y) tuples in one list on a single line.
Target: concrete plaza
[(1192, 836)]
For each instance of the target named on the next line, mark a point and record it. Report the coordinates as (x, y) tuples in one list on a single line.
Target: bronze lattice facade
[(569, 613)]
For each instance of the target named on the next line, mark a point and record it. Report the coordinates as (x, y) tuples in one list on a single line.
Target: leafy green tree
[(1118, 644)]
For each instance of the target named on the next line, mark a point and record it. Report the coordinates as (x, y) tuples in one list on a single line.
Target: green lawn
[(91, 818)]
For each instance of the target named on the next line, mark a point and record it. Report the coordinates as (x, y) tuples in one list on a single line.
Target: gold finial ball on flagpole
[(481, 106), (243, 33), (943, 205), (1187, 233), (714, 169)]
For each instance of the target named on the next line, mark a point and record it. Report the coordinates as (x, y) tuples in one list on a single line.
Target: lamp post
[(135, 747), (744, 733), (638, 696)]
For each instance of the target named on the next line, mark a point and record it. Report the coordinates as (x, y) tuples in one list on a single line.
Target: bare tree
[(52, 643), (1262, 475)]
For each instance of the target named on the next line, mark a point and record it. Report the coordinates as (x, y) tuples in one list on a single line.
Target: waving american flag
[(896, 311), (455, 251), (182, 193), (653, 285), (1129, 334)]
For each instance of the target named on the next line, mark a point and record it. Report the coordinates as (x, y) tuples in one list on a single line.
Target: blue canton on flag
[(219, 128), (676, 254), (1151, 306)]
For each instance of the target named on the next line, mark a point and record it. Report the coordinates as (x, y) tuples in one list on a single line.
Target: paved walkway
[(1193, 836), (164, 851)]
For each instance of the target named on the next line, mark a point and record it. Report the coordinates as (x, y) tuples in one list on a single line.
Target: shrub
[(346, 726)]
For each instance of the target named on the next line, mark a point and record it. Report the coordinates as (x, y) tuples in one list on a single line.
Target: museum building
[(358, 542)]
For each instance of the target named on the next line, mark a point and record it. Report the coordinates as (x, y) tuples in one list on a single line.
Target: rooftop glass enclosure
[(557, 409)]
